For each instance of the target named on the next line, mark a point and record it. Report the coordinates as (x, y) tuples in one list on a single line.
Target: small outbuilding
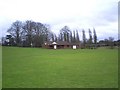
[(74, 46), (54, 45)]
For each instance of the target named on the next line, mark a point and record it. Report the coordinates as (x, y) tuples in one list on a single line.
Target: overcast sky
[(77, 14)]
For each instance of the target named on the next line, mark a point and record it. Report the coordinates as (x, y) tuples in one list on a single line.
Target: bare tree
[(16, 31), (28, 30), (41, 34), (65, 34), (53, 37)]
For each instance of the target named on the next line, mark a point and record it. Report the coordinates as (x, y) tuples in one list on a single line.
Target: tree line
[(31, 33)]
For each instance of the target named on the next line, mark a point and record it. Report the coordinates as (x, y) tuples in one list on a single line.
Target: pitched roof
[(54, 43)]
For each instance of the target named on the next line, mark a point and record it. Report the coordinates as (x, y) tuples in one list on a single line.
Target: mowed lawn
[(63, 68)]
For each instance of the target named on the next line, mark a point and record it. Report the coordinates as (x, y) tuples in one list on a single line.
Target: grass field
[(63, 68)]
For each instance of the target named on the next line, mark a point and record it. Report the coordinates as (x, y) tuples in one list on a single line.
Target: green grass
[(63, 68)]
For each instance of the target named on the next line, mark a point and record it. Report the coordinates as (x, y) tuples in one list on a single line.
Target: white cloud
[(77, 14)]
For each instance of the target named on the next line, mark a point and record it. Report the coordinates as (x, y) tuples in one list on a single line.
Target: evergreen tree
[(71, 38), (95, 37), (74, 38), (68, 37), (90, 38), (77, 36), (84, 38)]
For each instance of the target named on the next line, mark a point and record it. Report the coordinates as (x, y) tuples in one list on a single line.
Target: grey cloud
[(106, 16), (111, 15)]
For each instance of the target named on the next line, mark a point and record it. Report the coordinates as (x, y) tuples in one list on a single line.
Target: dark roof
[(62, 43), (48, 43)]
